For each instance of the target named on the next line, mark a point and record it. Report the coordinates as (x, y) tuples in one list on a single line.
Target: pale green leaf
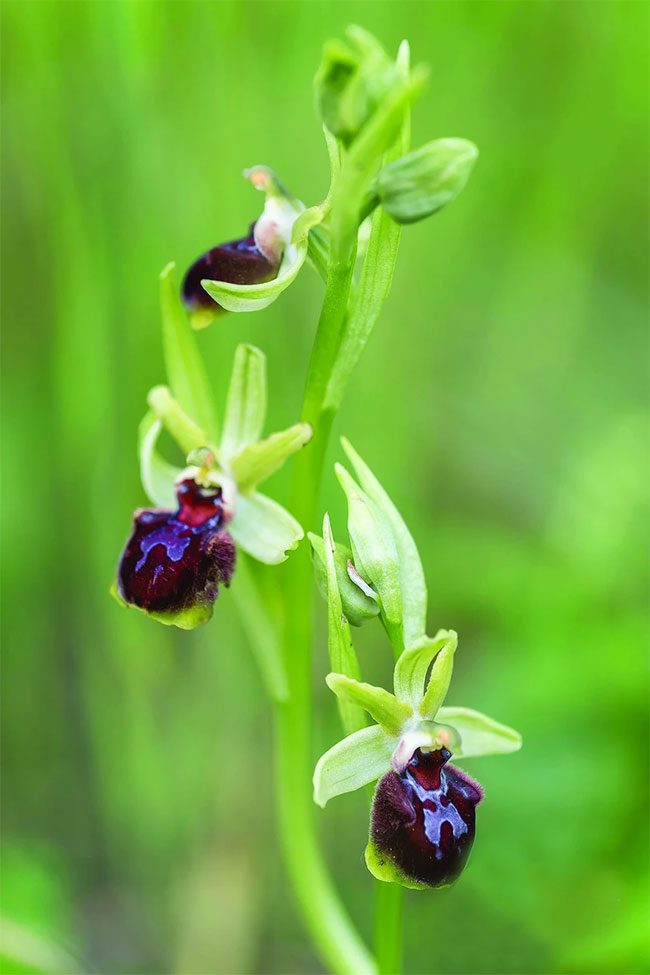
[(185, 370), (246, 401), (381, 705), (413, 665), (352, 763), (255, 463), (255, 297), (157, 475), (264, 529), (479, 734), (412, 582)]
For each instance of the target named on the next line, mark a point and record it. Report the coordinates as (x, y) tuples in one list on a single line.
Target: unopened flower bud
[(237, 262), (424, 181), (423, 821), (354, 77), (174, 561)]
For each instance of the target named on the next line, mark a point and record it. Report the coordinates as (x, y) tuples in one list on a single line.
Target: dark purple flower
[(174, 561), (238, 262), (422, 824)]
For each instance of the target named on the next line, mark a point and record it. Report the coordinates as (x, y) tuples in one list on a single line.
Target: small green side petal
[(439, 680), (255, 463), (187, 434), (382, 706)]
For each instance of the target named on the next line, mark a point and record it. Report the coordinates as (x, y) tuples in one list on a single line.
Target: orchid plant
[(210, 524)]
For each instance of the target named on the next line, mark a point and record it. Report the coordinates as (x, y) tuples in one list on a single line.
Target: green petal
[(255, 297), (157, 476), (382, 706), (264, 528), (187, 434), (352, 763), (413, 665), (255, 463), (479, 734), (246, 402)]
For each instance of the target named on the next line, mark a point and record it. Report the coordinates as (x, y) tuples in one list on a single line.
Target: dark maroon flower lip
[(237, 262), (423, 819), (175, 561)]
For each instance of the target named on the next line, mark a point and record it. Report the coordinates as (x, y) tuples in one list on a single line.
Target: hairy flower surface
[(423, 820), (175, 561)]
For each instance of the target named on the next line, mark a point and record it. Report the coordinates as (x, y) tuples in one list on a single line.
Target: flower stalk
[(364, 97)]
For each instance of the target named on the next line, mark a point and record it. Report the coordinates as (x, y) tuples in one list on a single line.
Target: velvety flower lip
[(174, 561), (237, 262), (423, 819)]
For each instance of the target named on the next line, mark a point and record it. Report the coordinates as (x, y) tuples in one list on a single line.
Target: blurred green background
[(502, 401)]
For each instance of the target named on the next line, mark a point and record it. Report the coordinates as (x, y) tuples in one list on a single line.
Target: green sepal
[(383, 868), (413, 586), (255, 297), (255, 463), (158, 477), (479, 734), (343, 658), (412, 667), (187, 434), (356, 604), (356, 761), (380, 704), (185, 619), (375, 553), (264, 529), (186, 373), (424, 181), (245, 403)]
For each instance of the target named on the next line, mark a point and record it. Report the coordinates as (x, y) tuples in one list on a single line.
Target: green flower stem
[(388, 928), (331, 928)]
